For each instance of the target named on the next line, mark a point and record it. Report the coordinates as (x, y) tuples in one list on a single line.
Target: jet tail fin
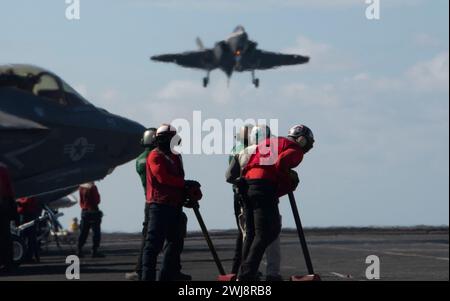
[(200, 44)]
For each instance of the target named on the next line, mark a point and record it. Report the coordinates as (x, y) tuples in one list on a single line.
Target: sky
[(375, 94)]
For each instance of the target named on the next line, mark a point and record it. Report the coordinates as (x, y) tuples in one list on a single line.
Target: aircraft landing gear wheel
[(18, 249), (205, 82), (256, 82)]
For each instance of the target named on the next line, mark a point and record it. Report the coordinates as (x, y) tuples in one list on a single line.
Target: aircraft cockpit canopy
[(41, 83)]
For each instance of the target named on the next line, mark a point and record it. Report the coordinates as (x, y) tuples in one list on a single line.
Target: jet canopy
[(239, 29), (40, 83)]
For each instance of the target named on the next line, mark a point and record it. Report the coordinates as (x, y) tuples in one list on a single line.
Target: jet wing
[(267, 60), (203, 59), (62, 203), (12, 122), (57, 198)]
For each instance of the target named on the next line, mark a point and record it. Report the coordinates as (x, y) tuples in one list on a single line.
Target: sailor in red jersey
[(266, 174), (91, 218), (8, 213), (166, 196), (28, 208)]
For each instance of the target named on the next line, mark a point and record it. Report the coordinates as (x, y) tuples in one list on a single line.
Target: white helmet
[(166, 130), (166, 133), (259, 133)]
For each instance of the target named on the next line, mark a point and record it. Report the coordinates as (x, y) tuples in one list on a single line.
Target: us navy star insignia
[(80, 148)]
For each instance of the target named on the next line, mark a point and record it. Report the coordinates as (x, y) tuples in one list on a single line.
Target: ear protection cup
[(302, 141), (176, 140), (243, 134), (149, 137)]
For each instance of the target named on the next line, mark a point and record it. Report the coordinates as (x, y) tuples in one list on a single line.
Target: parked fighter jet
[(236, 53), (52, 138)]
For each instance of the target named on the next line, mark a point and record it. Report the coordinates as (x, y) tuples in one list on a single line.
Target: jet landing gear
[(206, 80), (255, 80)]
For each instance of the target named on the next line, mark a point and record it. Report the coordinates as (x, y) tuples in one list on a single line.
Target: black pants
[(90, 220), (138, 268), (239, 239), (163, 226), (263, 226), (30, 235), (6, 248), (183, 229)]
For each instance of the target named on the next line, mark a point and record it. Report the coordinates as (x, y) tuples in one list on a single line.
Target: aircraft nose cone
[(126, 144), (134, 132), (133, 128)]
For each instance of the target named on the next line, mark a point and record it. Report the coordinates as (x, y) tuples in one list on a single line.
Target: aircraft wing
[(12, 122), (267, 60), (58, 198), (62, 203), (203, 59)]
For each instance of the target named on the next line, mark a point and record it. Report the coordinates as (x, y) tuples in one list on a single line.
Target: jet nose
[(132, 146), (127, 137), (132, 128)]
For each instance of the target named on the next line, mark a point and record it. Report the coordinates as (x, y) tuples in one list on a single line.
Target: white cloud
[(178, 98), (177, 89), (426, 40), (323, 96), (361, 77), (323, 56), (219, 91), (426, 76), (432, 74), (109, 95), (369, 83), (306, 46)]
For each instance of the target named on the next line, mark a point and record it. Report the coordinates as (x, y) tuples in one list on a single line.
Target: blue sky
[(375, 94)]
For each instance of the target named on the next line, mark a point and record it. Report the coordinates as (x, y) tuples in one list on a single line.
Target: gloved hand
[(241, 190), (293, 176), (240, 182), (193, 193), (191, 183), (190, 203)]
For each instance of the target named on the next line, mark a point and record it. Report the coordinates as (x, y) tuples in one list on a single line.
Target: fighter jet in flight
[(235, 53), (52, 138)]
